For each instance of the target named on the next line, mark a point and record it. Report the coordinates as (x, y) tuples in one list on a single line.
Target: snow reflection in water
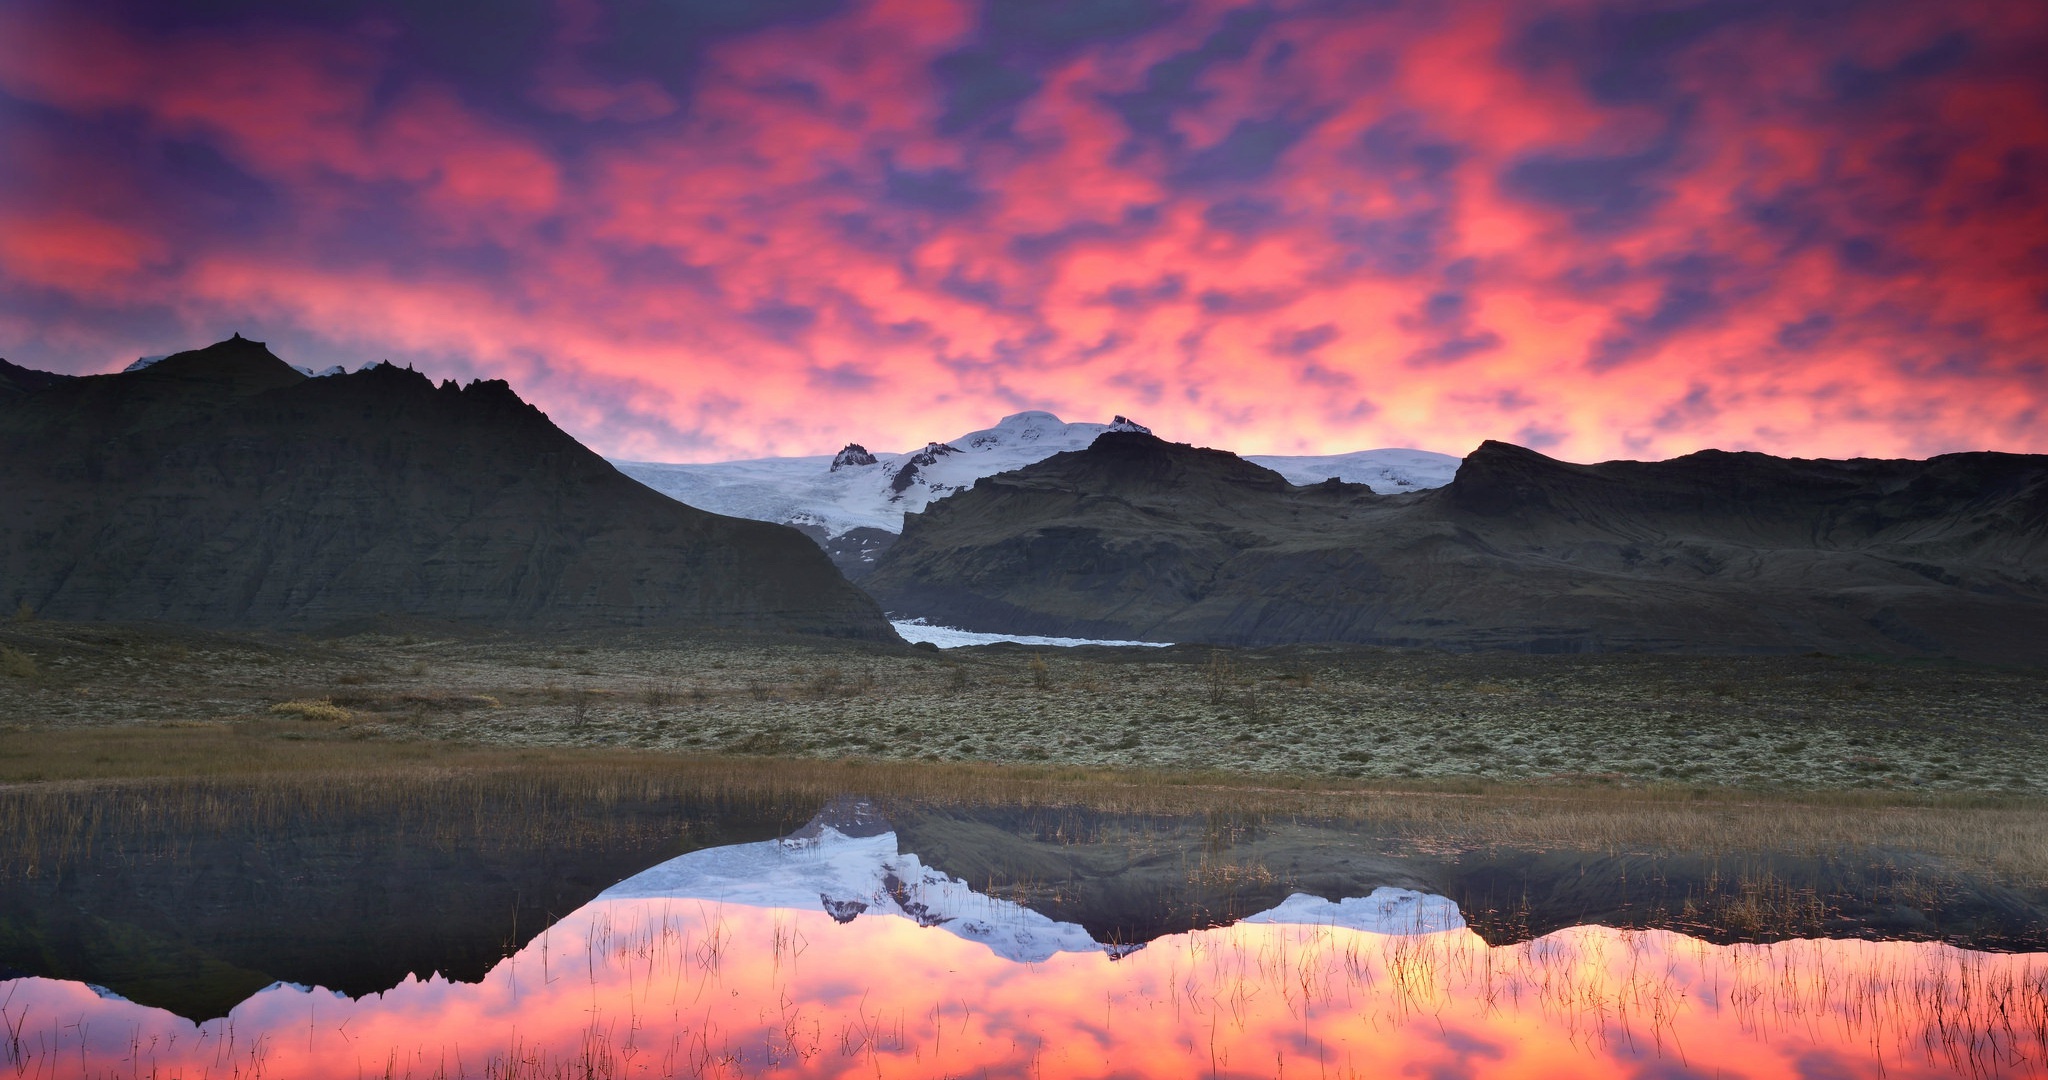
[(832, 955)]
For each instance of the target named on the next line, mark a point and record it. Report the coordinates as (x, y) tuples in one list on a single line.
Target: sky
[(711, 229)]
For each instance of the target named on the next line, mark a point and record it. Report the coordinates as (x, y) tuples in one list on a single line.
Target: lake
[(905, 941)]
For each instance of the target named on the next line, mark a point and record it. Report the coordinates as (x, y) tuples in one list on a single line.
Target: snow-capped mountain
[(860, 873), (833, 496), (829, 496)]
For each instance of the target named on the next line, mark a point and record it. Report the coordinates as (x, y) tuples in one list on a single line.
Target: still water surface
[(833, 954)]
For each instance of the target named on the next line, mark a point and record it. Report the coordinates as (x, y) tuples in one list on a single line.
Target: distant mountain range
[(853, 503), (1138, 538), (221, 487)]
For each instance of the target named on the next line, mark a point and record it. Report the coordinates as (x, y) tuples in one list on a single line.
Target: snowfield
[(833, 494)]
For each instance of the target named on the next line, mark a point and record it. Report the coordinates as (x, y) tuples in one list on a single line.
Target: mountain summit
[(221, 487), (853, 503)]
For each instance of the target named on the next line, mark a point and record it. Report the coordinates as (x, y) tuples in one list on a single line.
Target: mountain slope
[(853, 503), (1138, 538), (221, 487)]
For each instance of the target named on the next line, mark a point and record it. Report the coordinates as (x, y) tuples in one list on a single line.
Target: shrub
[(24, 613), (1222, 675), (658, 696), (826, 682), (1041, 673)]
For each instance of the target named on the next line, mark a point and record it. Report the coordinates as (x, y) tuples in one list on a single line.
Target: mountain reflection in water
[(829, 954)]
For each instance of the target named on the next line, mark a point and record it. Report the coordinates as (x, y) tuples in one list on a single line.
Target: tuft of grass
[(323, 710), (24, 613), (16, 664)]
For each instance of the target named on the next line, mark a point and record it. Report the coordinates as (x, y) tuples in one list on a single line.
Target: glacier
[(875, 490)]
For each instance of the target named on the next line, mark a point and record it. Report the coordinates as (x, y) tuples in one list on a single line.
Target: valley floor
[(1324, 714)]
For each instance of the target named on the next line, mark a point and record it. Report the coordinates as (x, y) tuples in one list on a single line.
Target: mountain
[(334, 369), (1720, 552), (221, 487), (853, 503)]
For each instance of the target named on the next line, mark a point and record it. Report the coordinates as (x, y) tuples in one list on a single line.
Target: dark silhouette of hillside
[(1713, 552), (221, 487)]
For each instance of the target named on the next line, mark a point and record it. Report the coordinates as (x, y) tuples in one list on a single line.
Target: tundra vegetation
[(1621, 751)]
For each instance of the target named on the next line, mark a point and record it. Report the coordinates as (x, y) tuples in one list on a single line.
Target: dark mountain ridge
[(1138, 538), (221, 487)]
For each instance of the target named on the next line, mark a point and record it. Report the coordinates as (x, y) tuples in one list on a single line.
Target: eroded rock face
[(220, 487), (854, 456), (1713, 552)]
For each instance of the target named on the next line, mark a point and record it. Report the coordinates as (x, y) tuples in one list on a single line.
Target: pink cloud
[(787, 253)]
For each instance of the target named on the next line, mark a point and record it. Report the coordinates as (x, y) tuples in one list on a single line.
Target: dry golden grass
[(313, 710)]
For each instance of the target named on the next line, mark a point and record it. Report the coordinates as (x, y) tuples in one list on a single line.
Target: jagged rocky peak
[(932, 452), (854, 456), (905, 476), (1125, 423)]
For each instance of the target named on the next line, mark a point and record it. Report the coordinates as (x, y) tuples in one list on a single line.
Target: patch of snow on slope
[(835, 493), (946, 637)]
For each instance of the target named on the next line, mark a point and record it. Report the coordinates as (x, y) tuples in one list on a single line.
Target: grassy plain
[(1786, 723)]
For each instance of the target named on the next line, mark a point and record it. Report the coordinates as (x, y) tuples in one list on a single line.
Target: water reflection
[(830, 953)]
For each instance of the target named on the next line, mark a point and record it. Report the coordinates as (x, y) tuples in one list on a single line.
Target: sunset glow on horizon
[(715, 230)]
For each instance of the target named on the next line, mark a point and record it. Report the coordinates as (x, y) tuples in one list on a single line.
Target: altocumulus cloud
[(698, 230)]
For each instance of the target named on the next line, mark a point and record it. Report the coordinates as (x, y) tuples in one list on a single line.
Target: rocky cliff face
[(1138, 538), (220, 487)]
